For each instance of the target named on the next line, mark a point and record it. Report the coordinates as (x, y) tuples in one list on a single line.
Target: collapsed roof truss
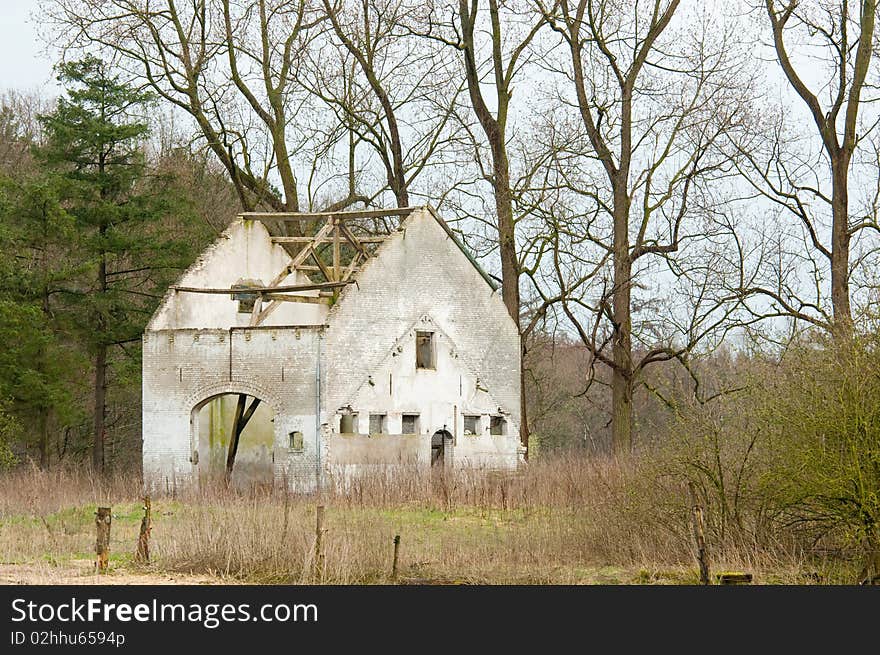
[(330, 258)]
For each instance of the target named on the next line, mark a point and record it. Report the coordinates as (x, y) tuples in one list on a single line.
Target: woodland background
[(679, 198)]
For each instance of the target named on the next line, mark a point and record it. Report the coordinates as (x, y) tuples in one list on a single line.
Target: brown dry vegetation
[(786, 469), (562, 519)]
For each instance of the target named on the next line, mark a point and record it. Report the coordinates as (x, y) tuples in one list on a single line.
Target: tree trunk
[(401, 194), (45, 412), (523, 404), (840, 239), (100, 408), (285, 172), (397, 180), (100, 331), (509, 264), (506, 234), (622, 373), (100, 368), (494, 127)]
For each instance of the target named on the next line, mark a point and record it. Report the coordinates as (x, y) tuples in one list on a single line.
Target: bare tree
[(19, 128), (232, 66), (491, 59), (650, 104), (494, 43), (794, 176), (389, 90)]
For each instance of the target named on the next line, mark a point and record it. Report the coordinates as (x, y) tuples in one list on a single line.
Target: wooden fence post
[(699, 536), (102, 543), (319, 544), (143, 545), (394, 561)]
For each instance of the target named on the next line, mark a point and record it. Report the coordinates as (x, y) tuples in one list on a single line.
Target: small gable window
[(471, 424), (498, 425), (425, 351)]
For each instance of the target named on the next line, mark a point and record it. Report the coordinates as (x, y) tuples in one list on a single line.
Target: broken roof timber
[(340, 215), (335, 223), (262, 290), (324, 240), (282, 297)]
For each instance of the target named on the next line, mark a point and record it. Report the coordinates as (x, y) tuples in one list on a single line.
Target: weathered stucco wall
[(421, 280), (184, 368), (441, 397), (243, 252), (348, 453)]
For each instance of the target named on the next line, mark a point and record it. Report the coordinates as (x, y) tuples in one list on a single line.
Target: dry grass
[(559, 520)]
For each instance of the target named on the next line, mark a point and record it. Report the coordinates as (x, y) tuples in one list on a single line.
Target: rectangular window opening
[(410, 424), (425, 356), (246, 299), (378, 423), (471, 424), (348, 424), (498, 425)]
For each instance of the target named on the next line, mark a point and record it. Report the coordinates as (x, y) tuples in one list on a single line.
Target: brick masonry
[(363, 350)]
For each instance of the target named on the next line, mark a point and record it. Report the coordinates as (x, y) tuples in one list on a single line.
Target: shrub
[(793, 460), (822, 415)]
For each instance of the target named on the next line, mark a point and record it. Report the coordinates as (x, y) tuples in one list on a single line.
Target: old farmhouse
[(374, 340)]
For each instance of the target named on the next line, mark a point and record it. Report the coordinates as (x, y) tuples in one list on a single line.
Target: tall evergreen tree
[(94, 144)]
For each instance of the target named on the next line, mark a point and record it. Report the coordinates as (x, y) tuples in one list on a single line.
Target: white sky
[(23, 63)]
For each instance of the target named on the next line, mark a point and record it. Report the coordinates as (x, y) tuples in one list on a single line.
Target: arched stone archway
[(233, 440), (205, 392), (245, 455)]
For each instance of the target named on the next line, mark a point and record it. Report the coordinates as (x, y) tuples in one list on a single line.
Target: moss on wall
[(253, 461)]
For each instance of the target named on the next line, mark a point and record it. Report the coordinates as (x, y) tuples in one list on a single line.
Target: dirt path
[(81, 572)]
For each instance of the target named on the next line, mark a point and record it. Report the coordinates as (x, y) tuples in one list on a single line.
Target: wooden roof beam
[(353, 240), (340, 216), (283, 297), (265, 290), (323, 267), (326, 240)]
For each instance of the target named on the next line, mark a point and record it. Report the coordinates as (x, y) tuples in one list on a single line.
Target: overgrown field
[(566, 520)]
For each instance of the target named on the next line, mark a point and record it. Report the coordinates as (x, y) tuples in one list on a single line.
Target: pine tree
[(94, 144)]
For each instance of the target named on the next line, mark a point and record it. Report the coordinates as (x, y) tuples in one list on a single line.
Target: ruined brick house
[(375, 341)]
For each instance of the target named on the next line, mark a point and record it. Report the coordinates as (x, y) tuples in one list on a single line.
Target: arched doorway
[(234, 437), (441, 448)]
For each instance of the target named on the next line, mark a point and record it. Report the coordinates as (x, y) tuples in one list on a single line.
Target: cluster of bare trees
[(653, 177)]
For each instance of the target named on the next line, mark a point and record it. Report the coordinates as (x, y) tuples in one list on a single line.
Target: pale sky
[(23, 63)]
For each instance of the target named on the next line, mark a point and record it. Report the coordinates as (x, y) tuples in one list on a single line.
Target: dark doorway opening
[(441, 447)]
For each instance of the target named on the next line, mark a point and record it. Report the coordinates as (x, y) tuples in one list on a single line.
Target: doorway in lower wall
[(234, 438), (441, 448)]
